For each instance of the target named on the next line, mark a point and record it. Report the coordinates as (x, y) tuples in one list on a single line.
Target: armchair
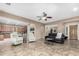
[(16, 39)]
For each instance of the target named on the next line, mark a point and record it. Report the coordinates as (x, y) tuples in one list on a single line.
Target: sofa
[(56, 37)]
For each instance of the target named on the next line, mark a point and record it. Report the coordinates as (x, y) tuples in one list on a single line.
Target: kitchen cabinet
[(1, 37), (5, 30)]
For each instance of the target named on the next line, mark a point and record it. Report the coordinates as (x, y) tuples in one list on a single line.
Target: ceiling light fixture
[(75, 9), (8, 3)]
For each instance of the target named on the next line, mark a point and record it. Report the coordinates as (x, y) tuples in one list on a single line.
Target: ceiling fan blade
[(44, 16), (39, 16), (40, 19), (49, 17)]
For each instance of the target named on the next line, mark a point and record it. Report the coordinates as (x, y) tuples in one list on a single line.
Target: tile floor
[(39, 48)]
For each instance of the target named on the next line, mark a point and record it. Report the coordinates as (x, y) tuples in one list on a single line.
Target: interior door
[(73, 31)]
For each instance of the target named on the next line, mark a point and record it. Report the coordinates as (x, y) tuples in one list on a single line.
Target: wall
[(60, 27), (64, 23), (41, 29), (48, 27), (39, 33)]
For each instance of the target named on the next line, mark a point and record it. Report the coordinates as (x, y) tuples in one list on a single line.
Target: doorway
[(73, 32)]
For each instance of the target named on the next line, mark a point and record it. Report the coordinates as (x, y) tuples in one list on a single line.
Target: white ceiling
[(58, 11)]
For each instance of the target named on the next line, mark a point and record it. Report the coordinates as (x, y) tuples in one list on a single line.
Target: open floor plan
[(39, 29)]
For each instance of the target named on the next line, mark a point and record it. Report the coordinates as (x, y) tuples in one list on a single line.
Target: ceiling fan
[(44, 16), (8, 4)]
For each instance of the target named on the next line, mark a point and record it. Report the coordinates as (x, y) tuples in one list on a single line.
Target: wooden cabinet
[(6, 35), (5, 30), (11, 28), (1, 37), (0, 27), (20, 29)]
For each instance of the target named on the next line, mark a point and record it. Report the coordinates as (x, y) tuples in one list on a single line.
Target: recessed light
[(75, 9)]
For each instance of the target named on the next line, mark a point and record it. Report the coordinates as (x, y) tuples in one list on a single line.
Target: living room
[(25, 28)]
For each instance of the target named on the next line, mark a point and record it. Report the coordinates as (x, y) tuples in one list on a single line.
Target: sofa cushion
[(58, 35)]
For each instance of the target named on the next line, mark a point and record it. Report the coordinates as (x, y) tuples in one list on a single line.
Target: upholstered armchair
[(16, 39)]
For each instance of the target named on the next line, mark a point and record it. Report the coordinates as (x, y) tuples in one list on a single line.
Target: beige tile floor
[(39, 48)]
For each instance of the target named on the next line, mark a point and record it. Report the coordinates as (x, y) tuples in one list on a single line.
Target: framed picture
[(55, 29), (32, 29)]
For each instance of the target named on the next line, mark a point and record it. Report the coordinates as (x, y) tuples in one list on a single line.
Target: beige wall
[(63, 23), (40, 28), (60, 27)]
